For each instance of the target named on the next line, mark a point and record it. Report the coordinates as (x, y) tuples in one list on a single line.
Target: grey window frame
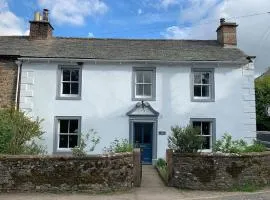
[(134, 70), (59, 83), (212, 87), (211, 120), (56, 149)]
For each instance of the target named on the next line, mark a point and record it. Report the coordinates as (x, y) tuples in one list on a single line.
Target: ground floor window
[(207, 131), (68, 132)]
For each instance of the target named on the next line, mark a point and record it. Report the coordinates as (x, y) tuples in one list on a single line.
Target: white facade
[(106, 97)]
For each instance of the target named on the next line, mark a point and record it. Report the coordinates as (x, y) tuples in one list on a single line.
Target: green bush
[(185, 139), (119, 146), (227, 145), (161, 163), (19, 133), (91, 138)]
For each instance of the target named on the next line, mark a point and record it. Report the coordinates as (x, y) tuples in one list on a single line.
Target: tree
[(262, 90)]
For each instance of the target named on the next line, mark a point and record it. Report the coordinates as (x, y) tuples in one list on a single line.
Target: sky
[(148, 19)]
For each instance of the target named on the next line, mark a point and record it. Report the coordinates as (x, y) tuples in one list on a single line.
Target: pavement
[(152, 188)]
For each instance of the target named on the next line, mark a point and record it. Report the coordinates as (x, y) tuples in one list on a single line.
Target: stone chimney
[(40, 27), (226, 33)]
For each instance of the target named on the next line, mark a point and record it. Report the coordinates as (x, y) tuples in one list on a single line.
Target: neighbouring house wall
[(93, 174), (107, 97), (217, 171), (8, 81)]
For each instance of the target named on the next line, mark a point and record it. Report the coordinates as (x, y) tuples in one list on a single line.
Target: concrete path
[(152, 189)]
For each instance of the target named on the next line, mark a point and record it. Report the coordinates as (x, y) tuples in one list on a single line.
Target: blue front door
[(143, 137)]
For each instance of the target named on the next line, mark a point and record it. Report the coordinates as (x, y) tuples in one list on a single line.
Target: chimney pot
[(222, 20), (46, 15)]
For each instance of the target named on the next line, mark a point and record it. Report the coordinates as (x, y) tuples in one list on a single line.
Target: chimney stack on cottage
[(40, 27), (226, 33)]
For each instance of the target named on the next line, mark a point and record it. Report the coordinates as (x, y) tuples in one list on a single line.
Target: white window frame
[(212, 136), (60, 95), (136, 97), (57, 134), (211, 85)]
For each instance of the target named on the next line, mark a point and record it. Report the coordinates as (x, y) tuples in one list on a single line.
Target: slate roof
[(120, 49)]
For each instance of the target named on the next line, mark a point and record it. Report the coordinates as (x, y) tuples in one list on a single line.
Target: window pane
[(63, 141), (197, 77), (197, 125), (66, 88), (206, 144), (139, 89), (66, 75), (73, 127), (147, 77), (205, 78), (206, 128), (206, 91), (73, 141), (197, 91), (74, 88), (139, 77), (148, 130), (147, 90), (64, 126), (75, 75)]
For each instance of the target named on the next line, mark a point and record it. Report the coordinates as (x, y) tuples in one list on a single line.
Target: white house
[(134, 89)]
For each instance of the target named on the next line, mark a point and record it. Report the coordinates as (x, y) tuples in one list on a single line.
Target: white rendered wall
[(106, 98)]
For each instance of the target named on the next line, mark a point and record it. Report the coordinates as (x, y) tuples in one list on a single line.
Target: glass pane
[(148, 130), (74, 88), (205, 78), (63, 141), (197, 77), (137, 133), (197, 125), (206, 144), (75, 75), (73, 141), (147, 77), (139, 77), (147, 90), (64, 126), (66, 88), (73, 126), (139, 89), (66, 75), (197, 91), (206, 91), (206, 128)]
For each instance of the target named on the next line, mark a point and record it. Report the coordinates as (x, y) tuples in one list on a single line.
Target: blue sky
[(164, 19)]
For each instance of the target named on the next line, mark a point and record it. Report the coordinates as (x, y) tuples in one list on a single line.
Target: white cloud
[(73, 11), (10, 24), (167, 3), (91, 35), (201, 18)]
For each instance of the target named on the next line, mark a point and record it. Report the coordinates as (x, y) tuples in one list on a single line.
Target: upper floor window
[(207, 131), (69, 78), (144, 84), (203, 85)]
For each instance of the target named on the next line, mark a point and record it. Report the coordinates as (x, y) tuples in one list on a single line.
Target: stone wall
[(8, 80), (217, 171), (93, 174)]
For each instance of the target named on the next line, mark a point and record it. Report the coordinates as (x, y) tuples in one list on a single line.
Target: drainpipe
[(17, 96)]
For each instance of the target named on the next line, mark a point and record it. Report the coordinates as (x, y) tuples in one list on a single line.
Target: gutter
[(17, 97), (96, 61)]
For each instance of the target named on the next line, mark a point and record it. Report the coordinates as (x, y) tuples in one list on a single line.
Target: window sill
[(68, 98), (144, 99), (202, 100), (63, 152)]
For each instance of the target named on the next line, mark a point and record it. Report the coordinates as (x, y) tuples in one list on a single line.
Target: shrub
[(91, 138), (119, 146), (19, 133), (227, 145), (161, 163), (185, 139)]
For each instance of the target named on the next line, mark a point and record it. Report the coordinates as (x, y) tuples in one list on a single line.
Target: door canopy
[(143, 109)]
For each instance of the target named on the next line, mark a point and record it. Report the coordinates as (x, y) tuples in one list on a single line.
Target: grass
[(247, 187)]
